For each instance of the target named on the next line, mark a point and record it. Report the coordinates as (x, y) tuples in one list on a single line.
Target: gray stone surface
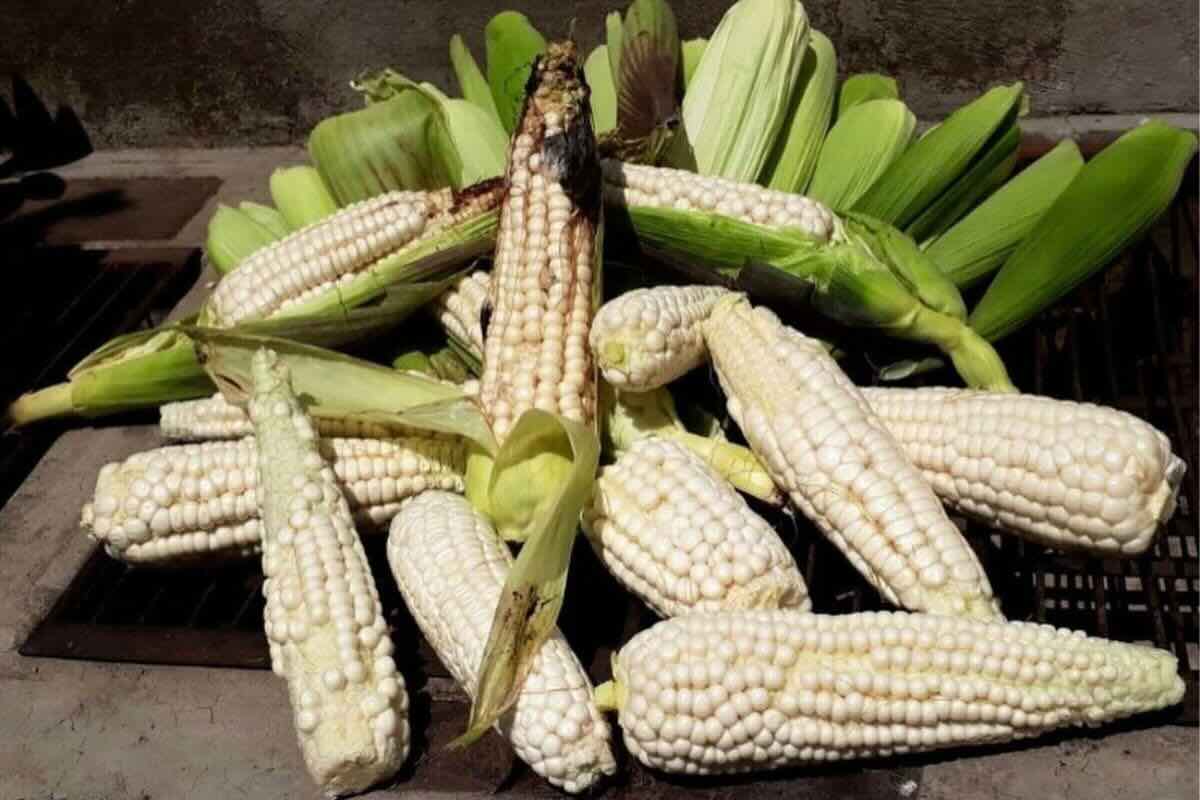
[(144, 73)]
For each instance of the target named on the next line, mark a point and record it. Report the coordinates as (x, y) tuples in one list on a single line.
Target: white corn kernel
[(789, 397), (992, 456), (647, 338), (450, 566), (802, 691), (644, 534), (348, 730)]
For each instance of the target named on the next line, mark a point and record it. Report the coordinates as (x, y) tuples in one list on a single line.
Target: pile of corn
[(531, 400)]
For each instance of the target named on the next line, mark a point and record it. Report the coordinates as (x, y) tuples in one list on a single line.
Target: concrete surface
[(90, 731), (236, 72)]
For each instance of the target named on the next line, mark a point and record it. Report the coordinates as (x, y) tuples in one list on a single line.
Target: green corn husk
[(794, 160), (399, 143), (850, 280), (919, 274), (629, 416), (981, 241), (737, 102), (865, 87), (614, 40), (512, 45), (647, 69), (150, 368), (133, 371), (471, 83), (860, 147), (940, 157), (598, 75), (990, 170), (232, 235), (301, 196), (267, 216), (691, 52), (480, 144), (557, 458), (337, 386), (1113, 201)]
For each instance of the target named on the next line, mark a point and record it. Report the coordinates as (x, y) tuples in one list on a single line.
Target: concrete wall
[(227, 72)]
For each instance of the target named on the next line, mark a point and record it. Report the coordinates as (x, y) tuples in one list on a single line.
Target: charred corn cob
[(821, 443), (323, 620), (1068, 475), (450, 566), (546, 272), (647, 338), (459, 311), (191, 501), (216, 418), (335, 250), (660, 187), (745, 690), (677, 535)]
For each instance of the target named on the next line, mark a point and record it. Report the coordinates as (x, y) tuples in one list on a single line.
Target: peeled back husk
[(231, 236), (861, 145), (604, 96), (399, 143), (471, 83), (791, 165), (937, 159), (512, 45), (301, 195), (988, 172), (690, 53), (980, 242), (267, 216), (1113, 201), (737, 102), (865, 87)]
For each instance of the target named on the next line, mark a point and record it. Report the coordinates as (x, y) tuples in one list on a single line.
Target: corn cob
[(677, 535), (323, 620), (216, 418), (187, 501), (450, 566), (546, 278), (459, 310), (821, 443), (1068, 475), (745, 690), (660, 187), (647, 338), (335, 250)]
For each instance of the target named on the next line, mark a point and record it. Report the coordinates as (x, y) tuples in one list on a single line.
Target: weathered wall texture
[(226, 72)]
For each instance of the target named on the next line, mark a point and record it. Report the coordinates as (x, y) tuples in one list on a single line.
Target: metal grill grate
[(1127, 338)]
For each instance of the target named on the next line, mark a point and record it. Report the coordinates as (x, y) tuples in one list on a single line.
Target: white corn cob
[(676, 534), (451, 566), (336, 249), (824, 446), (663, 187), (215, 417), (198, 500), (459, 310), (545, 277), (747, 690), (647, 338), (323, 620), (1068, 475)]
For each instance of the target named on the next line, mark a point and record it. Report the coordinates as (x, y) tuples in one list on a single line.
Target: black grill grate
[(1127, 338)]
